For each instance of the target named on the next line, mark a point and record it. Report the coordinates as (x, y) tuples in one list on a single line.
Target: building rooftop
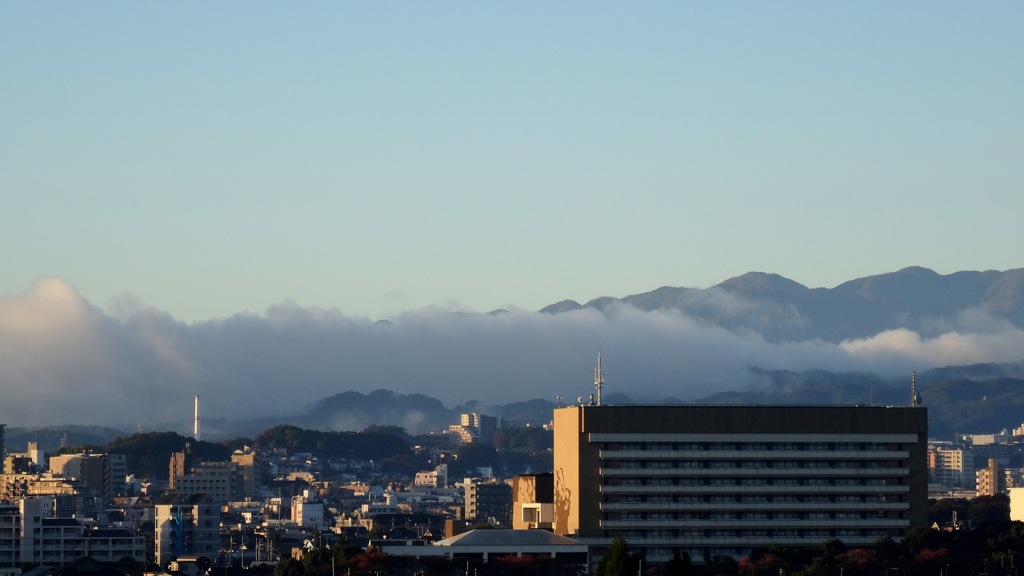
[(504, 537)]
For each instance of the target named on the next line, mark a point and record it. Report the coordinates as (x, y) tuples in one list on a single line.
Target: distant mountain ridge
[(978, 398), (781, 310)]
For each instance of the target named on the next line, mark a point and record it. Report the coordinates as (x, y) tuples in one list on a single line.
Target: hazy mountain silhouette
[(780, 309)]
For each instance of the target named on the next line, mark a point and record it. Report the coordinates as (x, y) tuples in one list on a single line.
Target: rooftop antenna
[(915, 398), (598, 378)]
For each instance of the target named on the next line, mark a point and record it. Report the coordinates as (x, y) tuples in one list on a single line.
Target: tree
[(615, 561), (989, 509), (313, 559), (679, 565), (289, 567)]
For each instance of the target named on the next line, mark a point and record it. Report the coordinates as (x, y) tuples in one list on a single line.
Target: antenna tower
[(913, 388), (598, 378)]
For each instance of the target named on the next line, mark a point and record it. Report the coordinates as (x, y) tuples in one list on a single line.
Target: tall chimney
[(195, 425)]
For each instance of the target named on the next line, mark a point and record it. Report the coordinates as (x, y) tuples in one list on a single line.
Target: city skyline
[(214, 160)]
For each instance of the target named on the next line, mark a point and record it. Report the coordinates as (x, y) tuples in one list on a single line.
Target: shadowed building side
[(721, 480)]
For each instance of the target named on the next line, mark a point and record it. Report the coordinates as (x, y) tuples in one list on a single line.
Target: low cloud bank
[(64, 360)]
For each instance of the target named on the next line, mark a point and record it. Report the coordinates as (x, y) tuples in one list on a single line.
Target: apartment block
[(488, 500), (29, 535), (948, 466), (93, 470), (722, 480), (185, 525)]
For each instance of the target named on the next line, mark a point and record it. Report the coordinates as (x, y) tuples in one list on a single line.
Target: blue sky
[(210, 159)]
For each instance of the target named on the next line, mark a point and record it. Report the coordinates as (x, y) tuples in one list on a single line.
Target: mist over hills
[(978, 398), (66, 360), (780, 309)]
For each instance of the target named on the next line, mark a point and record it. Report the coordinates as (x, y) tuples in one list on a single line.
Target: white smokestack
[(195, 425)]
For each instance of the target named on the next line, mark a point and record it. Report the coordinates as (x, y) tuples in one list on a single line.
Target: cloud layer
[(66, 361)]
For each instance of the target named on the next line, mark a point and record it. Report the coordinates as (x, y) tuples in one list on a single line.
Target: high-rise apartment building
[(93, 470), (474, 428), (249, 466), (180, 464), (185, 525), (991, 480), (488, 501), (948, 466), (722, 480)]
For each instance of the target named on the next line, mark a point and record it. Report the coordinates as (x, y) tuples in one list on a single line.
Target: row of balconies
[(755, 472), (744, 506), (733, 489), (832, 524), (769, 455), (751, 541)]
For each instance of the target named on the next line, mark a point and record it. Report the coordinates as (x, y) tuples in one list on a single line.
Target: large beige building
[(721, 480), (93, 470)]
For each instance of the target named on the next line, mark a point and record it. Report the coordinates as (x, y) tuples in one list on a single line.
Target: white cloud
[(63, 360)]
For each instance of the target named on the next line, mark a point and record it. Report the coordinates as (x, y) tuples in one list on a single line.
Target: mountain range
[(782, 310), (978, 399)]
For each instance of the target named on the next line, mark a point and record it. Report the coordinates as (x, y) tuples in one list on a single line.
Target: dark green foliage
[(941, 511), (529, 439), (236, 443), (354, 445), (289, 567), (343, 551), (396, 431), (313, 558), (50, 438), (149, 454), (469, 457), (679, 565), (989, 510), (718, 565), (525, 449), (616, 561)]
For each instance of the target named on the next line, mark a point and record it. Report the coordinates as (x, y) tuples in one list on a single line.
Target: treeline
[(148, 454), (367, 445), (516, 450)]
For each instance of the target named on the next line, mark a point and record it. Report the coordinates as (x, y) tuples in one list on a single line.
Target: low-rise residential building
[(28, 535), (308, 510), (533, 501)]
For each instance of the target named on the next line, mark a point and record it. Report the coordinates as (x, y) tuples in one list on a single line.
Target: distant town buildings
[(436, 478), (308, 510), (474, 428), (96, 471), (29, 534), (488, 501), (185, 525), (708, 480)]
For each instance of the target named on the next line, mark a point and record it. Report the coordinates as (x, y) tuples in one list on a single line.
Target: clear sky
[(375, 157)]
